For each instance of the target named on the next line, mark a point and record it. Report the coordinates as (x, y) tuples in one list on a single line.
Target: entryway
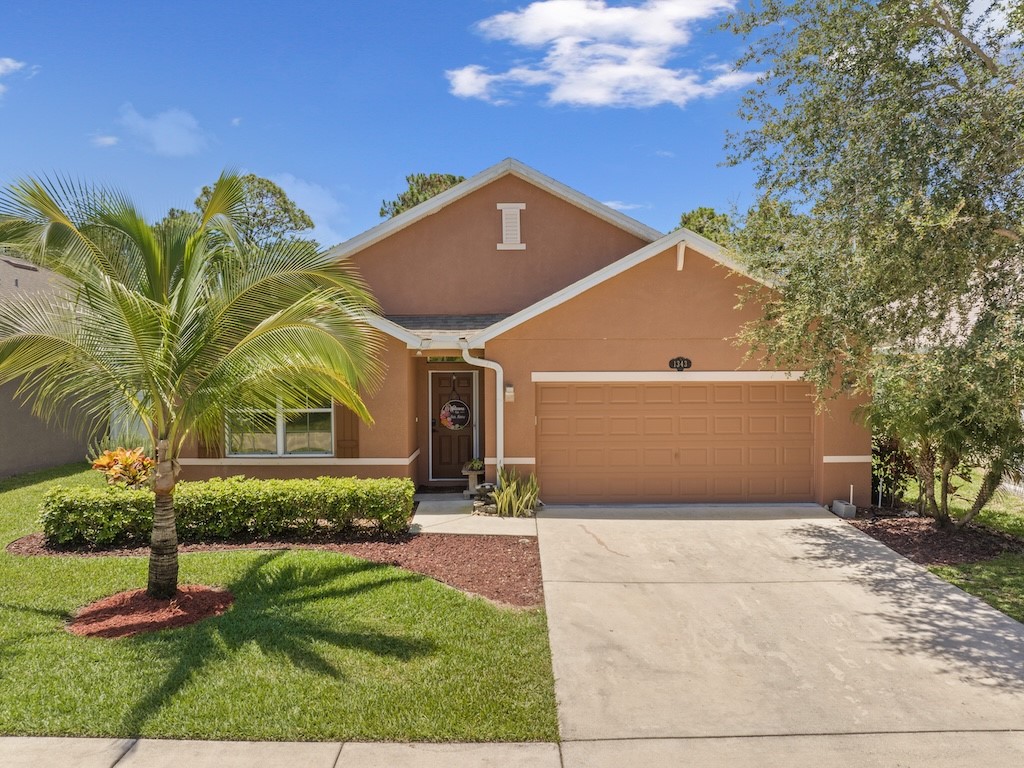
[(454, 428)]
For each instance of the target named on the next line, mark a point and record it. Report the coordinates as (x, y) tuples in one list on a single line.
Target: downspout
[(499, 399)]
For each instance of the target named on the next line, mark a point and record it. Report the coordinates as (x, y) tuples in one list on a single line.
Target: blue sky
[(627, 102)]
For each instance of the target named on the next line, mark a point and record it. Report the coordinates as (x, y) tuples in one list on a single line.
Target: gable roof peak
[(508, 166)]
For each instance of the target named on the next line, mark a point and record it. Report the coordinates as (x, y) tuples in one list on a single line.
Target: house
[(532, 326), (26, 442)]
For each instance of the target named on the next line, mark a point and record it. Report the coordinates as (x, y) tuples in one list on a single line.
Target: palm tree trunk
[(163, 552), (989, 485)]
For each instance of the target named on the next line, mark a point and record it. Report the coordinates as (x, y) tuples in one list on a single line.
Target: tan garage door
[(666, 442)]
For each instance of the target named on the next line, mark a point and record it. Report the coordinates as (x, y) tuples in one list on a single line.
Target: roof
[(452, 331), (430, 326), (18, 278), (506, 167)]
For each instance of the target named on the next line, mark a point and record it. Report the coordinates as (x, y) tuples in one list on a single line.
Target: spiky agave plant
[(174, 325)]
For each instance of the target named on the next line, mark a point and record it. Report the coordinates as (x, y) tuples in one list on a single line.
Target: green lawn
[(318, 646), (999, 582)]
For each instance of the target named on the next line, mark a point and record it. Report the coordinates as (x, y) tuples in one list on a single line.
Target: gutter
[(499, 399)]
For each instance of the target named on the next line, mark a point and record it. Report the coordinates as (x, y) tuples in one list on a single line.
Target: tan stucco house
[(532, 326)]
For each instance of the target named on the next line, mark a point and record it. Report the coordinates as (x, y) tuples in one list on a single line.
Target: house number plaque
[(680, 363)]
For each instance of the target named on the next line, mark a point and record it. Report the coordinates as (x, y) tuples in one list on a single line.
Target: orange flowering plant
[(128, 466)]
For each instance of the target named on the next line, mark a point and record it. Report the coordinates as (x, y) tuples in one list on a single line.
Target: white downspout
[(499, 399)]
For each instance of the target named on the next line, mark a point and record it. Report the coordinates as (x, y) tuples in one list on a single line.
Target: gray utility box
[(844, 509)]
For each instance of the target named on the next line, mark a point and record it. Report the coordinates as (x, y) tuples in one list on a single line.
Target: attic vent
[(511, 231)]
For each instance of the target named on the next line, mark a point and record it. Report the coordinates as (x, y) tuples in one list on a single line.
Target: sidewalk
[(20, 752)]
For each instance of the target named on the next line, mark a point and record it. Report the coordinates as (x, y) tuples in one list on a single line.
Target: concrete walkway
[(450, 513), (771, 636), (152, 753)]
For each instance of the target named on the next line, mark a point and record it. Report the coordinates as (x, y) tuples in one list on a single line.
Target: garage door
[(667, 442)]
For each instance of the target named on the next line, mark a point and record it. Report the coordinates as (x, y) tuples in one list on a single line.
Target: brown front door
[(452, 423)]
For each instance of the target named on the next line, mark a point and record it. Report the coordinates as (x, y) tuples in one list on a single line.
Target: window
[(287, 432)]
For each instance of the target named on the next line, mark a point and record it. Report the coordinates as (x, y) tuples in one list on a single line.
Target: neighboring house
[(26, 442), (534, 327)]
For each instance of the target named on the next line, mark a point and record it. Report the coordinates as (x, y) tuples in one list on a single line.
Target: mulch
[(134, 612), (921, 540), (504, 569)]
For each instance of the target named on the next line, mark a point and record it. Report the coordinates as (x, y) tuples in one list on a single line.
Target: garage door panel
[(693, 425), (763, 425), (659, 425), (548, 426), (728, 393), (658, 442), (659, 457), (797, 425), (763, 456), (589, 426), (726, 458), (693, 457), (620, 395), (728, 425), (763, 393), (693, 394), (660, 394), (624, 425)]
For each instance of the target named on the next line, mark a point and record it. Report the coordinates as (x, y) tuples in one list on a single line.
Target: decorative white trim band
[(512, 460), (846, 459), (277, 461), (685, 377)]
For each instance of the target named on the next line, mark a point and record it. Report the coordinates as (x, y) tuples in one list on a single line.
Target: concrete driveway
[(768, 636)]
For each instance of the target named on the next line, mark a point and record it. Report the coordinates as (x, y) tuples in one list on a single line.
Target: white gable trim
[(504, 168), (674, 239)]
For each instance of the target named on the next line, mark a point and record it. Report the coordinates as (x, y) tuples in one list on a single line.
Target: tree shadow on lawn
[(265, 614), (927, 616)]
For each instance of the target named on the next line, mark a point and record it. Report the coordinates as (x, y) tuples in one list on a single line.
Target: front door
[(452, 423)]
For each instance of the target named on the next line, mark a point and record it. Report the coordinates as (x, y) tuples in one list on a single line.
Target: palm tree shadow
[(925, 615), (266, 613)]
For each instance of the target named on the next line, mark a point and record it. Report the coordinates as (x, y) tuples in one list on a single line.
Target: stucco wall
[(27, 444), (448, 263)]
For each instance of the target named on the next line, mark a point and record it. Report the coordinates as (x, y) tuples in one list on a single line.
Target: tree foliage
[(266, 213), (709, 223), (173, 326), (896, 129), (422, 187)]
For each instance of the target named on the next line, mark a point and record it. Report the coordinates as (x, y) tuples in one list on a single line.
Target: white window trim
[(279, 421)]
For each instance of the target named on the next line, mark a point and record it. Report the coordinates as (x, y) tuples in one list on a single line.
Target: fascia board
[(706, 247)]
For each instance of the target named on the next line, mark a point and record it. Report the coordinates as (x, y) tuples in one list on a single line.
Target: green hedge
[(229, 508)]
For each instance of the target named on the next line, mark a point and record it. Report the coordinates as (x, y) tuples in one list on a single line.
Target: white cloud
[(105, 140), (173, 133), (618, 205), (664, 153), (326, 211), (9, 66), (596, 54), (235, 122)]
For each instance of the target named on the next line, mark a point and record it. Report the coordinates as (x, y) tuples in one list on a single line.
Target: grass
[(999, 582), (318, 646)]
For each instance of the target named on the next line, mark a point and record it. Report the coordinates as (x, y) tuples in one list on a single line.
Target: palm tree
[(175, 325)]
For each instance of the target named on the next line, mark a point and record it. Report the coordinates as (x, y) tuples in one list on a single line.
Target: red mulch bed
[(920, 540), (131, 613), (505, 569)]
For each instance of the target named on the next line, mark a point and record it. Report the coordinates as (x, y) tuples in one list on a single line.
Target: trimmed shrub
[(97, 516), (229, 508)]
